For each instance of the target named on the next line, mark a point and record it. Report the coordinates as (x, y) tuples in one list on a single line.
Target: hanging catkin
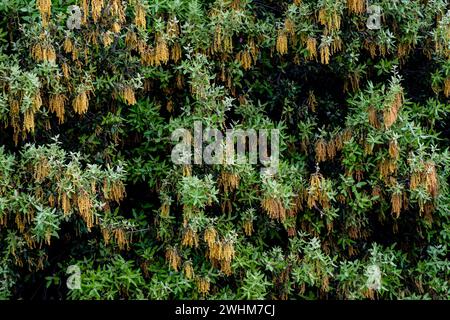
[(96, 9), (80, 103), (282, 42), (44, 7), (356, 6), (139, 17)]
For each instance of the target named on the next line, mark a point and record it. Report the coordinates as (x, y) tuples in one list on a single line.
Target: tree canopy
[(91, 91)]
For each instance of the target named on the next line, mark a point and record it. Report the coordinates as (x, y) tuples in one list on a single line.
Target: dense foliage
[(359, 207)]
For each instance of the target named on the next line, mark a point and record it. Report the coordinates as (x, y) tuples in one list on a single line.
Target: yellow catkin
[(147, 55), (225, 267), (37, 53), (316, 193), (274, 208), (173, 28), (148, 85), (121, 238), (187, 170), (169, 106), (175, 53), (173, 258), (415, 180), (47, 124), (390, 113), (393, 149), (356, 6), (226, 206), (282, 42), (336, 45), (93, 186), (116, 27), (428, 209), (161, 51), (228, 44), (405, 200), (229, 181), (291, 232), (311, 46), (66, 70), (68, 45), (339, 141), (311, 101), (3, 220), (228, 251), (203, 285), (431, 181), (253, 49), (354, 81), (41, 170), (107, 39), (65, 203), (165, 210), (140, 45), (84, 203), (346, 135), (50, 54), (84, 10), (31, 242), (321, 150), (20, 223), (325, 54), (51, 200), (106, 235), (248, 227), (28, 121), (44, 7), (210, 235), (368, 148), (331, 20), (37, 102), (403, 49), (96, 9), (390, 116), (41, 52), (56, 104), (447, 87), (131, 40), (190, 238), (39, 193), (75, 53), (216, 251), (139, 17), (373, 118), (81, 103), (236, 4), (117, 192), (322, 17), (289, 26), (218, 37), (14, 114), (396, 202), (245, 59), (387, 167), (382, 49), (188, 270), (128, 95), (331, 149)]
